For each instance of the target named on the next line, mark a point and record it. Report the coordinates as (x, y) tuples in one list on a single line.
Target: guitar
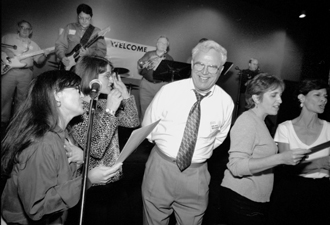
[(73, 56), (8, 63)]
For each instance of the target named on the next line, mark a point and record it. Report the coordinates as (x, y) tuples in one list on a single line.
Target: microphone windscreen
[(95, 85)]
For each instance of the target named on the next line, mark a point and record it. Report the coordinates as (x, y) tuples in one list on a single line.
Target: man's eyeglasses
[(25, 28), (84, 18), (210, 69)]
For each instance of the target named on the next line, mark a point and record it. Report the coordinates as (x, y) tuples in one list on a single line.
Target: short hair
[(162, 36), (252, 59), (19, 23), (205, 46), (85, 8), (259, 85), (88, 68), (310, 84), (202, 40), (168, 41)]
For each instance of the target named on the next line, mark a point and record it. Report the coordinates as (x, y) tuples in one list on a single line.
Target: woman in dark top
[(42, 184)]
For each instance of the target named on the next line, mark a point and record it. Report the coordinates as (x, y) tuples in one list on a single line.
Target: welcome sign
[(125, 54)]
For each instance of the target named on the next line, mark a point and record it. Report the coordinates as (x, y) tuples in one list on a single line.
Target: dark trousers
[(298, 200), (241, 210), (105, 204)]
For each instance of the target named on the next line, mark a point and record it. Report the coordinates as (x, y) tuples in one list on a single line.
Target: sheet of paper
[(135, 140)]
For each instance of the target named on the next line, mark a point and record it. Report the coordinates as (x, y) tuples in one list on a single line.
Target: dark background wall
[(285, 46)]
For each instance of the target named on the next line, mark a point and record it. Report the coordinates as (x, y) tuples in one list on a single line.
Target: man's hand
[(46, 52), (65, 61), (83, 51)]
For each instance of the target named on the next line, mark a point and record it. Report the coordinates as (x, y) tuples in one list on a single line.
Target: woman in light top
[(248, 179), (303, 195)]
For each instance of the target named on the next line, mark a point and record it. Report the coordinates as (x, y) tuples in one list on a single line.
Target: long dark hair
[(36, 116)]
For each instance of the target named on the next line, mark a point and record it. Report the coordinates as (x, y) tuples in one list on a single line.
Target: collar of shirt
[(81, 27), (60, 132), (192, 88)]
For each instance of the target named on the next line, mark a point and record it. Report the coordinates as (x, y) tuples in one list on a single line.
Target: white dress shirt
[(172, 105)]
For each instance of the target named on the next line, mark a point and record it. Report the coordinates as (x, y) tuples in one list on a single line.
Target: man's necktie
[(187, 147)]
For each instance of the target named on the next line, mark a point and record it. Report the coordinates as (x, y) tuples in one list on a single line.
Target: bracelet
[(111, 112)]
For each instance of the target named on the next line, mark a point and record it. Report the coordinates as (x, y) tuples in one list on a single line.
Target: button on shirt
[(172, 105)]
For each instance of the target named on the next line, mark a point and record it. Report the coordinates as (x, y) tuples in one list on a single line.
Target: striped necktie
[(188, 143)]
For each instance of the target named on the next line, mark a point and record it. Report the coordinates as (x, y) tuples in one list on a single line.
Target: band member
[(17, 78), (79, 33), (246, 75), (149, 85)]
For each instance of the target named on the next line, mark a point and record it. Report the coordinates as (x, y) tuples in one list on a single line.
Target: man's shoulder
[(168, 57), (96, 29), (72, 25), (176, 87), (9, 36)]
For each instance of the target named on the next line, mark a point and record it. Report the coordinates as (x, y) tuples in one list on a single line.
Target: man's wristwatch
[(111, 112)]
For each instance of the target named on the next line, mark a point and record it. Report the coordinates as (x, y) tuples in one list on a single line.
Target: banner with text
[(125, 54)]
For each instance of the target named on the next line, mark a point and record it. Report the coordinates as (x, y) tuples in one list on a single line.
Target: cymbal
[(120, 70)]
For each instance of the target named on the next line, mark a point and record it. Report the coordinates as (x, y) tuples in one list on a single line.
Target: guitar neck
[(92, 41), (31, 54)]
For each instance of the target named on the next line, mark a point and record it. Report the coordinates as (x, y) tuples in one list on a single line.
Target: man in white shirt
[(165, 187)]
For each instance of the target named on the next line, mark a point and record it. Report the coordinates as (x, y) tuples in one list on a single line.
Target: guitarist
[(18, 78), (79, 33), (150, 85)]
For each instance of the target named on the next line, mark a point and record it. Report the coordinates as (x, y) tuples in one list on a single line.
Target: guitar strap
[(87, 35)]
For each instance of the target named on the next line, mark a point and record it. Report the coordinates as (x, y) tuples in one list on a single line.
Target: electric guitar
[(73, 56), (8, 63)]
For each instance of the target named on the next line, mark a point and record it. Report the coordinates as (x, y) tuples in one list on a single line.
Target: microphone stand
[(9, 46), (92, 107)]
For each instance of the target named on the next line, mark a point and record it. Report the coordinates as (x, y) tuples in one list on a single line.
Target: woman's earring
[(58, 103), (301, 104)]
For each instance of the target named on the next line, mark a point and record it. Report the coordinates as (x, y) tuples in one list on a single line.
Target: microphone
[(95, 86)]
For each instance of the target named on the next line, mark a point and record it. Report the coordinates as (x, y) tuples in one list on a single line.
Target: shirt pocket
[(209, 129), (73, 39)]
